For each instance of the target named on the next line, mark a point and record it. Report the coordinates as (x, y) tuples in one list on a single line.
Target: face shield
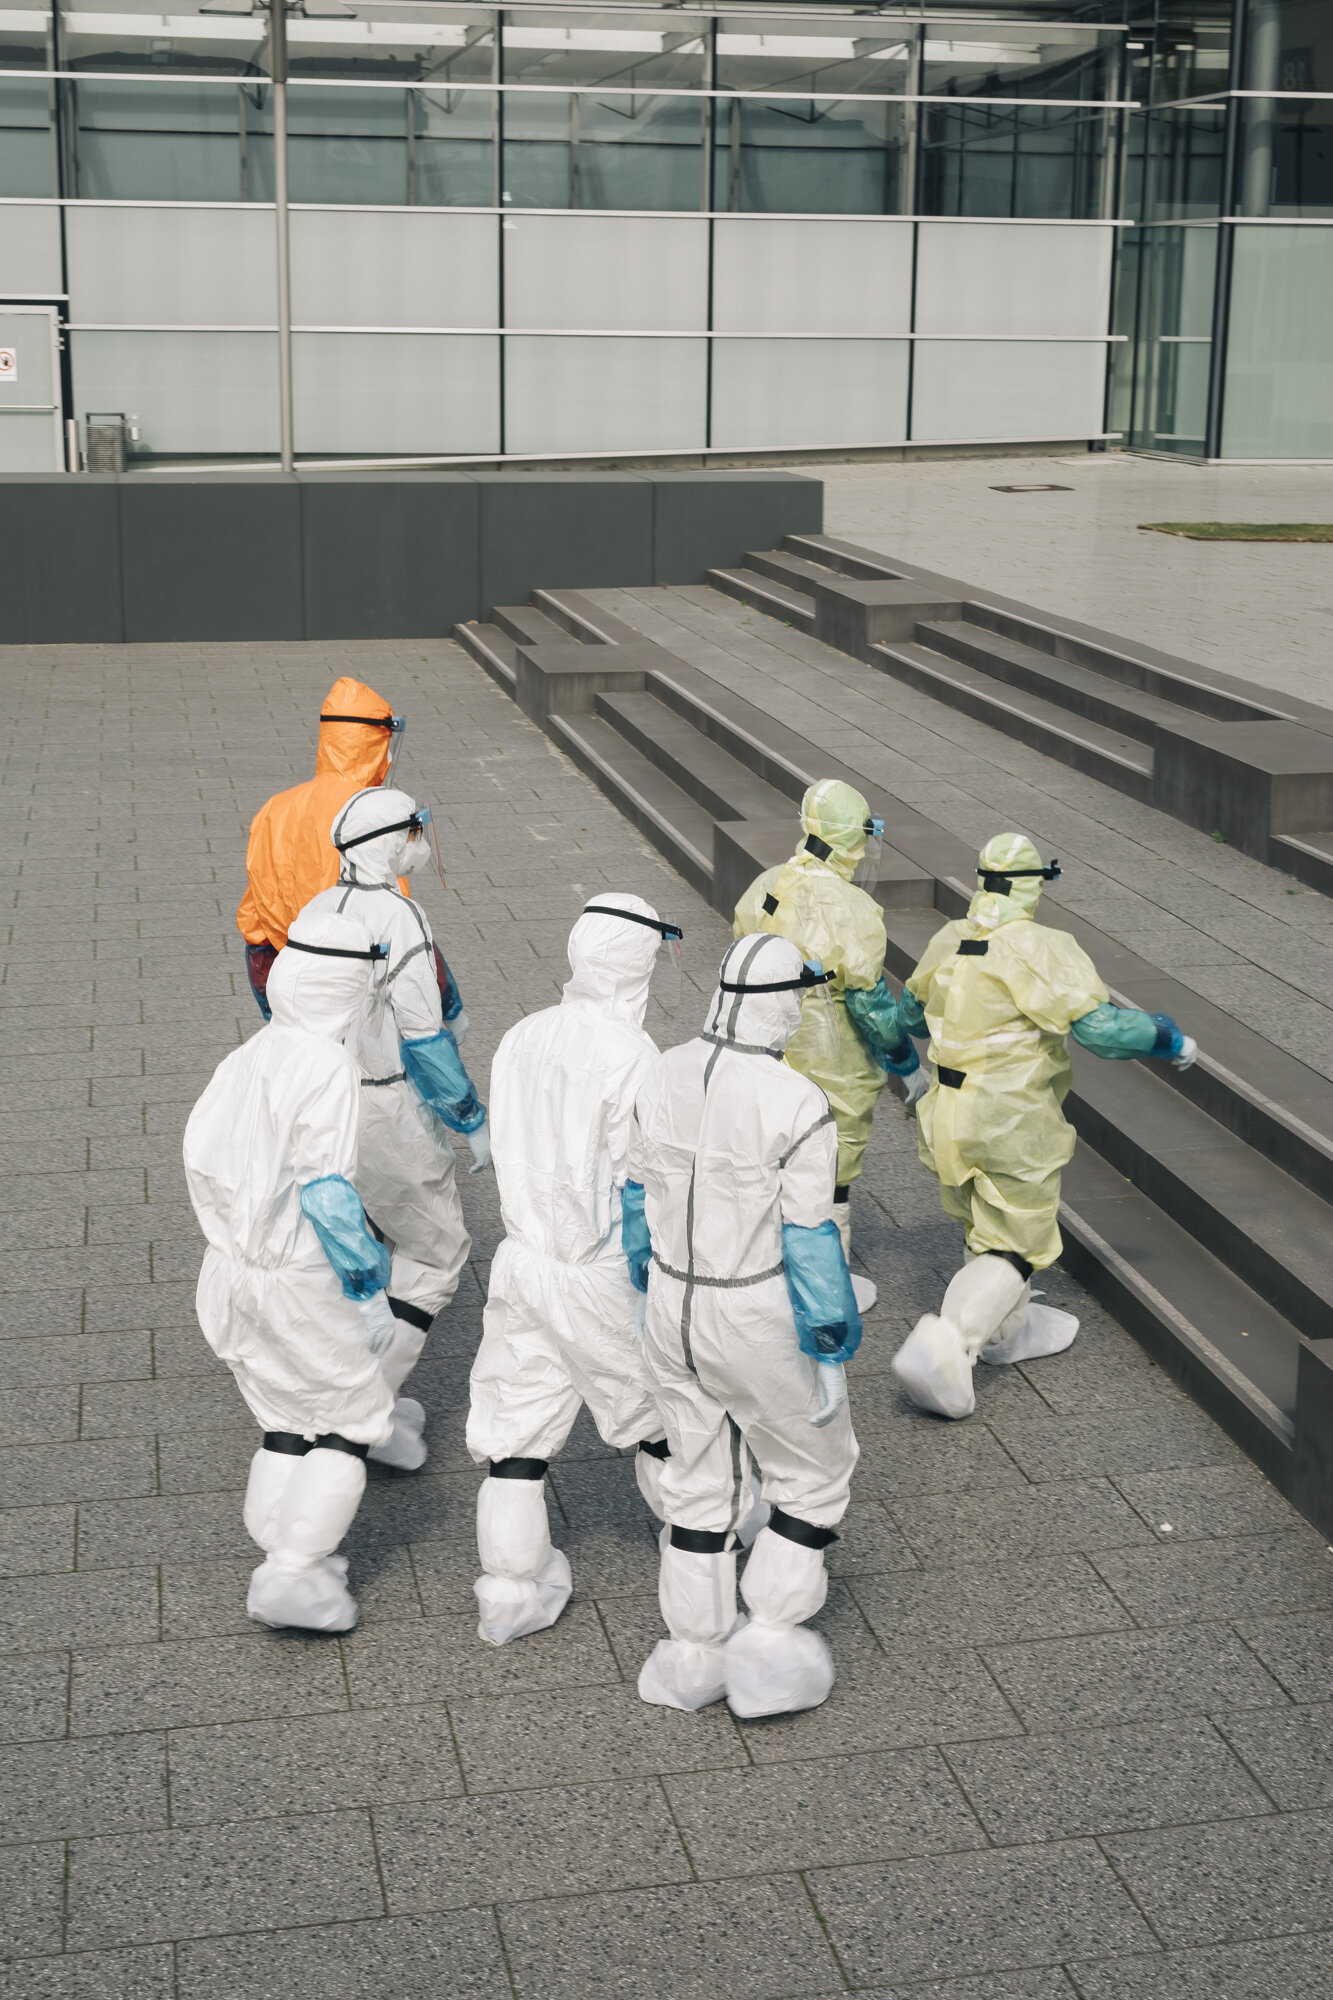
[(395, 724), (665, 987), (377, 954), (423, 845), (866, 873), (820, 1040)]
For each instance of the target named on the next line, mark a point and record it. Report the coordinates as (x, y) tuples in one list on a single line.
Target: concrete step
[(779, 600), (1087, 746), (676, 824), (783, 566), (726, 788), (492, 649), (528, 626), (1124, 710), (1307, 855)]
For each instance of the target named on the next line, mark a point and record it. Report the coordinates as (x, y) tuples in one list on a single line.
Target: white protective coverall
[(280, 1113), (560, 1317), (730, 1144), (405, 1173)]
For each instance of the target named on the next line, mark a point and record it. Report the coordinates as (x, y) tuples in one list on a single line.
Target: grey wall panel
[(606, 273), (218, 560), (171, 266), (395, 267), (543, 531), (704, 521), (388, 558), (30, 250), (811, 274), (60, 561)]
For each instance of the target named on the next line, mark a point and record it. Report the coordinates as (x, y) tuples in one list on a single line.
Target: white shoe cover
[(407, 1410), (1046, 1330), (513, 1607), (866, 1293), (404, 1449), (316, 1599), (933, 1366), (679, 1673), (776, 1669)]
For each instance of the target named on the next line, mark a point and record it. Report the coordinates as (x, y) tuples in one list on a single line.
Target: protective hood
[(754, 1020), (319, 995), (990, 908), (836, 815), (612, 962), (349, 749), (374, 860)]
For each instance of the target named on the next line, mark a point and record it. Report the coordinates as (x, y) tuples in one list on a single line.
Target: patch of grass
[(1243, 531)]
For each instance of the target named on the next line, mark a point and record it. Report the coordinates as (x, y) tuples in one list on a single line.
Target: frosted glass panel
[(188, 392), (1280, 350), (642, 273), (797, 276), (998, 277), (28, 444), (1007, 389), (417, 268), (605, 395), (30, 250), (396, 392), (172, 266), (770, 394)]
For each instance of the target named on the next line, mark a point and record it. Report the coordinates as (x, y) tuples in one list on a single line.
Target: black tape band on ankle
[(518, 1468), (699, 1541), (793, 1530), (842, 1192), (289, 1443), (335, 1441), (412, 1314), (655, 1447), (1020, 1264)]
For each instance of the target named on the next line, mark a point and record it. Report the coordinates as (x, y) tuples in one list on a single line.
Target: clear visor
[(423, 847), (819, 1037), (866, 873), (666, 982), (397, 731)]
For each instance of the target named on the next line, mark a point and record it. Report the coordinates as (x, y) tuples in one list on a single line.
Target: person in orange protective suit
[(291, 856)]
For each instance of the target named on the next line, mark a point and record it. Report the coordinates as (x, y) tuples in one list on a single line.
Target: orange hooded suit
[(290, 857)]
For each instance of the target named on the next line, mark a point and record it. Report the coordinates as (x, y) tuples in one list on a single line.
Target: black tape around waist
[(952, 1079)]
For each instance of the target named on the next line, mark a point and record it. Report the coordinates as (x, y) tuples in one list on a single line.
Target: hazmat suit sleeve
[(1052, 979), (435, 1069), (333, 1208), (876, 1016), (1120, 1032), (807, 1170), (911, 1014), (819, 1286)]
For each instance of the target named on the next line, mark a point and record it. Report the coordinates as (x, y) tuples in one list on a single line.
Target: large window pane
[(27, 153), (391, 147), (177, 140), (358, 269), (1034, 59), (607, 272), (183, 267), (1191, 50), (810, 156), (30, 250), (572, 395), (188, 393), (394, 44), (776, 395), (583, 151), (1286, 156), (1186, 147), (997, 278), (635, 51), (1018, 160), (1279, 350), (396, 392), (1177, 276), (780, 274), (1007, 389), (800, 55), (111, 35)]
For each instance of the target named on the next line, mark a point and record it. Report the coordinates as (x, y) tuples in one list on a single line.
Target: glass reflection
[(27, 151), (793, 156), (617, 151), (394, 44), (107, 35), (394, 148), (1036, 60), (1183, 173), (178, 141), (1286, 157), (638, 51), (799, 56), (1014, 160), (1177, 274)]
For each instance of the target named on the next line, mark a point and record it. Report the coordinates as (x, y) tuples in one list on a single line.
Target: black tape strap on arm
[(819, 848), (973, 947), (413, 1315), (699, 1541), (770, 904), (655, 1447), (518, 1468), (792, 1529), (952, 1079)]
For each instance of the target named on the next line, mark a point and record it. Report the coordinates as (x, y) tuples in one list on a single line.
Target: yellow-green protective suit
[(812, 902), (999, 1016)]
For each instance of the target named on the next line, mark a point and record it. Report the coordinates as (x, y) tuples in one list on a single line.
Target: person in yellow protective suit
[(291, 857), (815, 901), (999, 995)]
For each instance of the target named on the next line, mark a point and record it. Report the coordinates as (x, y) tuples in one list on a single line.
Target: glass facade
[(999, 209)]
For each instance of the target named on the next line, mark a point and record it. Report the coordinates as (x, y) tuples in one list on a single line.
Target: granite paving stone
[(54, 1790), (203, 1599), (147, 1973), (412, 1958), (1280, 1968), (997, 1603), (1108, 1442), (310, 1765), (31, 1474), (205, 1680), (32, 1888), (1258, 1575), (1206, 1501), (1128, 1676), (34, 1696), (918, 1694), (78, 1610), (77, 1357), (1247, 1878), (514, 1741), (1051, 1984), (1009, 1527), (1289, 1751), (36, 1539), (437, 1659)]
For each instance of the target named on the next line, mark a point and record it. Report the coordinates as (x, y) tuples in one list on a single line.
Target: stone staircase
[(1197, 1206)]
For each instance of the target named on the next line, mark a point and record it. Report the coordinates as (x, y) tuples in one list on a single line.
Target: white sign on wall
[(9, 365)]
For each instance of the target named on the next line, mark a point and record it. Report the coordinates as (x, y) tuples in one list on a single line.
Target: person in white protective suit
[(750, 1313), (415, 1089), (560, 1318), (291, 1293)]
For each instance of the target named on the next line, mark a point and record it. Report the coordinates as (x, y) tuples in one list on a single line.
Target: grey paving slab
[(34, 1539), (565, 1841), (51, 1790), (1128, 1676), (203, 1599), (441, 1658), (756, 1940), (205, 1680), (1249, 1878), (1249, 1578), (1291, 1968), (1297, 1651), (144, 1974), (176, 1528), (1110, 1442), (78, 1610), (516, 1741), (1052, 1597), (822, 1813), (413, 1958), (133, 1889), (114, 1467), (1012, 1526), (34, 1696), (1105, 1781), (40, 1416), (32, 1887), (977, 1912), (1052, 1984), (310, 1764), (1201, 1502), (79, 1357), (916, 1695), (1290, 1753)]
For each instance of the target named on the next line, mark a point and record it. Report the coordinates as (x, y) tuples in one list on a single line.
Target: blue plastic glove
[(875, 1015), (819, 1286), (435, 1069), (635, 1240), (334, 1208), (1118, 1033)]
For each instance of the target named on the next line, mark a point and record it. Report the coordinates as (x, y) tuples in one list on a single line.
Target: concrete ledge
[(854, 615), (1312, 1456), (1246, 780)]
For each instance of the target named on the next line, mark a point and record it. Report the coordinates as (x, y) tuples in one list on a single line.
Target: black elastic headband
[(336, 951), (992, 879), (359, 839), (806, 979), (371, 721), (632, 917)]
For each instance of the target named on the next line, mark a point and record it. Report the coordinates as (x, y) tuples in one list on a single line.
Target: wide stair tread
[(1090, 695), (778, 600), (528, 626), (1074, 739), (783, 567), (676, 824), (493, 650), (1307, 855), (726, 788)]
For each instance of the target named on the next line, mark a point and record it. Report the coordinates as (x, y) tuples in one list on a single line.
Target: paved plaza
[(1081, 1742)]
